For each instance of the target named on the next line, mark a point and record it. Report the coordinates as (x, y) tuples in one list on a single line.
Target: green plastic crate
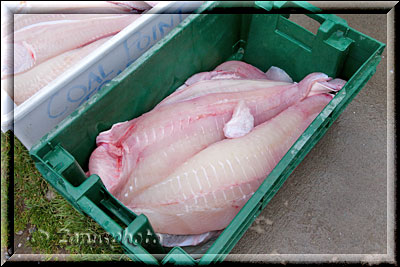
[(200, 43)]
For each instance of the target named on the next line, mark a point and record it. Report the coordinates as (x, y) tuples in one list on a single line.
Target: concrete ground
[(335, 202)]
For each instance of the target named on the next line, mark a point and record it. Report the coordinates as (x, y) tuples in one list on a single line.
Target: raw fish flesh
[(237, 69), (241, 68), (136, 154), (82, 7), (27, 13), (232, 69), (34, 45), (28, 83), (193, 161), (27, 20), (139, 6), (205, 87), (205, 192)]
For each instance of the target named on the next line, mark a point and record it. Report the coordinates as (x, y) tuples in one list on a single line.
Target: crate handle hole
[(306, 22)]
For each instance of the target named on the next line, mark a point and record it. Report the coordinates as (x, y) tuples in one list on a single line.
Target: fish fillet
[(208, 189), (64, 10), (34, 45), (27, 20), (83, 7), (242, 69), (28, 83), (206, 87), (134, 155), (232, 69), (139, 6)]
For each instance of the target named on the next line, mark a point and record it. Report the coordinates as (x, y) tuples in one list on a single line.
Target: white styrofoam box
[(44, 110)]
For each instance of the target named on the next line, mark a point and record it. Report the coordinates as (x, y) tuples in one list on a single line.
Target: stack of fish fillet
[(192, 162), (43, 46)]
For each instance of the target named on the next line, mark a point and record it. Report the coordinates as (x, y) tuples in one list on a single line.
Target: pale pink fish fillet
[(36, 44), (206, 192), (213, 75), (206, 87), (140, 6), (94, 7), (28, 83), (153, 145), (23, 20), (241, 68), (229, 70), (232, 69)]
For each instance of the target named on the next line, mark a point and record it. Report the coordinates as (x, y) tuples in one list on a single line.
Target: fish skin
[(331, 86), (241, 123), (193, 201), (36, 44), (180, 131), (28, 83), (277, 74)]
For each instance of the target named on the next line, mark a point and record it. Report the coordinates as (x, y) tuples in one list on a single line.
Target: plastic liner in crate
[(54, 102), (200, 43)]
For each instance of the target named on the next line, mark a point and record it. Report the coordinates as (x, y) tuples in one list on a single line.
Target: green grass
[(5, 148), (59, 228)]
